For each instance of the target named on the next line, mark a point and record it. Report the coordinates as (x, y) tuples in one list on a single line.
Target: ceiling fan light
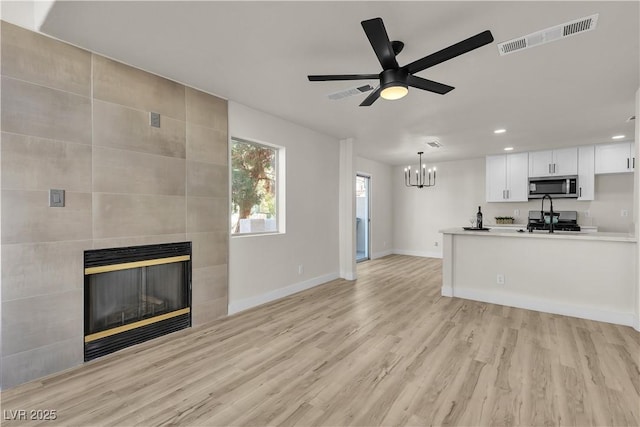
[(394, 92)]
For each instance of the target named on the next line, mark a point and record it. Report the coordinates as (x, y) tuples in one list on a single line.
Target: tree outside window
[(253, 190)]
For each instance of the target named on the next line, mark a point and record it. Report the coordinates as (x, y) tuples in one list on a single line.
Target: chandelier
[(423, 177)]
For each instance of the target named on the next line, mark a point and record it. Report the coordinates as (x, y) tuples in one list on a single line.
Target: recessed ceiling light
[(499, 131), (617, 137), (508, 148)]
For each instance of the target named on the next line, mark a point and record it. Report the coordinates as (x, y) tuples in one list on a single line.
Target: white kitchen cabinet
[(506, 177), (496, 178), (517, 177), (615, 158), (586, 172), (558, 162), (540, 163)]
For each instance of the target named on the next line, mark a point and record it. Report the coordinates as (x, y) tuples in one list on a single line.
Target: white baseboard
[(247, 303), (348, 275), (380, 254), (637, 323), (547, 306), (446, 292), (423, 254)]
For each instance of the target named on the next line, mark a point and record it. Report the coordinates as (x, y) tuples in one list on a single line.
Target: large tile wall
[(207, 205), (77, 121)]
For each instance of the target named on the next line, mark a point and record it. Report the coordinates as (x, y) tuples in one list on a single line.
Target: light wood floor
[(385, 350)]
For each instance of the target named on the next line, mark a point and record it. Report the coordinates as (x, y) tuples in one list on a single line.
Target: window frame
[(279, 173)]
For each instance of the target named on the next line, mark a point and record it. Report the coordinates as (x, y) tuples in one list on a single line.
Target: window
[(254, 187)]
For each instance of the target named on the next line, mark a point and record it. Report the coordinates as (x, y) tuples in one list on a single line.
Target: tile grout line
[(186, 185), (93, 201), (45, 86), (46, 139)]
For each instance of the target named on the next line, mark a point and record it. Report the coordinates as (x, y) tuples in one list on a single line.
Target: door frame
[(368, 219)]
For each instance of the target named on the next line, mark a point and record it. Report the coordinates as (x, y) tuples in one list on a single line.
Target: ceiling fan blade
[(331, 77), (374, 28), (429, 85), (371, 98), (450, 52)]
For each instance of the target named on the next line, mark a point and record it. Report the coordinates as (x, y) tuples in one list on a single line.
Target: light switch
[(56, 198), (154, 119)]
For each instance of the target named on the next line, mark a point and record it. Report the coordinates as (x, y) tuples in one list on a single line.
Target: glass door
[(362, 218)]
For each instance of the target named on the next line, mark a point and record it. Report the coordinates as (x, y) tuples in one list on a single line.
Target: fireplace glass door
[(131, 295)]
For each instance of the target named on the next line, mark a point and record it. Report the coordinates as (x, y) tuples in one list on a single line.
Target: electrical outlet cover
[(56, 198)]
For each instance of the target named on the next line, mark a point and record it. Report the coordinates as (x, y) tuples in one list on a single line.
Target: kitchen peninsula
[(586, 275)]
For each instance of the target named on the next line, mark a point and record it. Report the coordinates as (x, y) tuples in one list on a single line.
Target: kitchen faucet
[(550, 212)]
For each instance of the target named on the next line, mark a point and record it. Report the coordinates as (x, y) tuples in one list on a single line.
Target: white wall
[(263, 268), (26, 13), (381, 205), (420, 213)]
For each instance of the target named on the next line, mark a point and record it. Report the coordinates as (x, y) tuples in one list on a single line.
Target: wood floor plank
[(386, 349)]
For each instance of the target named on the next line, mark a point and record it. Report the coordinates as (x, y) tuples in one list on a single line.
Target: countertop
[(568, 235), (524, 226)]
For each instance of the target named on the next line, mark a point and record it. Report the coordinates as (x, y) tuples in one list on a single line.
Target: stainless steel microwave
[(555, 186)]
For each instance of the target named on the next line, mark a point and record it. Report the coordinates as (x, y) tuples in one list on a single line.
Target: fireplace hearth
[(134, 294)]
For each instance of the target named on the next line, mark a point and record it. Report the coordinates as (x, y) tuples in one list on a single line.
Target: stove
[(567, 221)]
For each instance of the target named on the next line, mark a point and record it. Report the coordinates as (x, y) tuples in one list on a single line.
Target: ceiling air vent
[(434, 144), (511, 46), (585, 24), (547, 35), (350, 92)]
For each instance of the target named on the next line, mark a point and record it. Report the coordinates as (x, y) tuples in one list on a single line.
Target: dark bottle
[(479, 218)]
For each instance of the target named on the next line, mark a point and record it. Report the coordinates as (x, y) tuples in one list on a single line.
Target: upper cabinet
[(507, 175), (586, 178), (506, 178), (553, 162), (615, 158)]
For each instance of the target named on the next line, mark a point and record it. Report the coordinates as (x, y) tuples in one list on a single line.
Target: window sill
[(266, 233)]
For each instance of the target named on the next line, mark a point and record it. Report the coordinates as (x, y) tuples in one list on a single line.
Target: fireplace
[(134, 294)]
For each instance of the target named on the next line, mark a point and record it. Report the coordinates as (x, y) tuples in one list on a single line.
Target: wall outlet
[(384, 244), (300, 269), (435, 243), (500, 279), (587, 214), (516, 212), (624, 212)]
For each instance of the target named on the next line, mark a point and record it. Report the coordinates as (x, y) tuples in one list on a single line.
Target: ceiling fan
[(394, 79)]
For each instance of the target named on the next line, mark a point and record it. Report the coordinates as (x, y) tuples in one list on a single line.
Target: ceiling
[(578, 90)]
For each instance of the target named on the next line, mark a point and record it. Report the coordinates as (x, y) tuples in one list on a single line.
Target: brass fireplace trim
[(136, 264), (135, 325)]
